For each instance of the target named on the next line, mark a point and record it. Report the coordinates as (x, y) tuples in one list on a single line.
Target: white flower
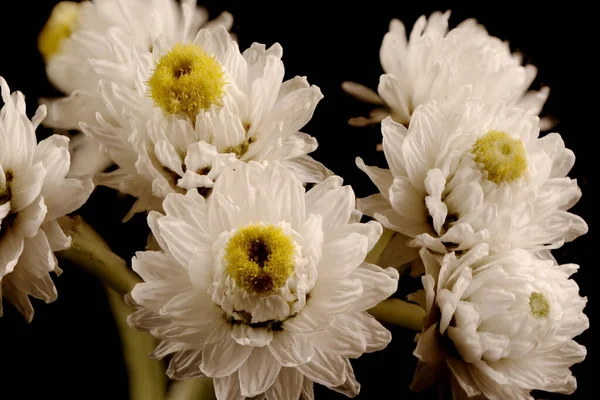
[(434, 64), (468, 171), (262, 286), (33, 195), (197, 108), (503, 325), (77, 43)]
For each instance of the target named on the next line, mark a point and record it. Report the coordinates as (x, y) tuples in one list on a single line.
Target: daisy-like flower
[(469, 171), (33, 195), (263, 286), (77, 45), (435, 63), (503, 325), (198, 107)]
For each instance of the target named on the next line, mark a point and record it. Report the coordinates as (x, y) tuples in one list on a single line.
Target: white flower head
[(503, 325), (469, 171), (198, 107), (33, 195), (435, 63), (83, 43), (263, 286)]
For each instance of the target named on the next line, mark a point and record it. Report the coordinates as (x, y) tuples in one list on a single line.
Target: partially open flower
[(262, 286), (434, 63), (468, 171), (502, 325), (33, 195)]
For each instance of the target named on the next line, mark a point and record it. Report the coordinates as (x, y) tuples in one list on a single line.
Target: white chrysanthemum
[(78, 45), (198, 107), (33, 195), (262, 286), (470, 171), (434, 64), (503, 325)]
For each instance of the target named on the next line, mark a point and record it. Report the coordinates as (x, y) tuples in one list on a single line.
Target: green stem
[(375, 253), (91, 253), (147, 379), (192, 389), (399, 312)]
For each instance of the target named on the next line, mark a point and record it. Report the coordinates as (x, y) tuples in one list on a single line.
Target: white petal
[(219, 343), (393, 138), (249, 336), (66, 197), (382, 178), (307, 169), (289, 349), (378, 284), (327, 369), (37, 257), (421, 145), (406, 200), (53, 153), (350, 387), (307, 390), (182, 240), (56, 237), (26, 186), (29, 220), (258, 373), (11, 247), (288, 385), (376, 336), (343, 338), (335, 297), (391, 92), (228, 388), (342, 256), (362, 93), (335, 207), (186, 208), (185, 365)]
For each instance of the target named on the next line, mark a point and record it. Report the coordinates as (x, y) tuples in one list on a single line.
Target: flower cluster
[(263, 271), (477, 200)]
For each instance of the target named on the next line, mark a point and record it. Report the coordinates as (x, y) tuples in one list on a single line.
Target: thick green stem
[(147, 379), (375, 253), (90, 253), (399, 312), (192, 389)]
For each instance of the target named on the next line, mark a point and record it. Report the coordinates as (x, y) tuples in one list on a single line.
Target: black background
[(72, 350)]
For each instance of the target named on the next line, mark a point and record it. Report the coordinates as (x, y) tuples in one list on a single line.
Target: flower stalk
[(399, 312), (89, 252), (192, 389)]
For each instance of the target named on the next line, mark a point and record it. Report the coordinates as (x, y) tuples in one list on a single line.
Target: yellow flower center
[(58, 28), (187, 80), (503, 157), (260, 258), (539, 305)]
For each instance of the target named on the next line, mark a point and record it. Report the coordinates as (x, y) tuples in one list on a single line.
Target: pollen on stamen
[(260, 258), (59, 27), (502, 156), (539, 305), (187, 80)]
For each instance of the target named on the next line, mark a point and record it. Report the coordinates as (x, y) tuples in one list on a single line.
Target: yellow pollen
[(539, 305), (260, 258), (503, 157), (187, 80), (58, 28)]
